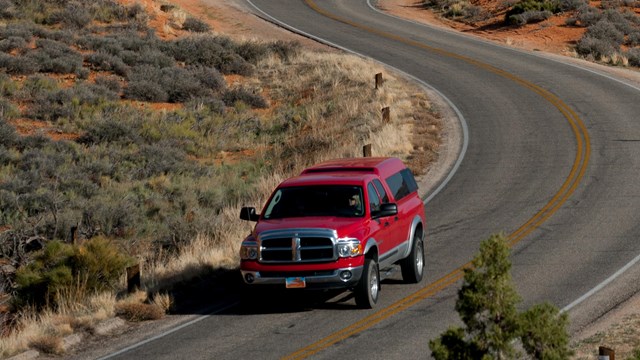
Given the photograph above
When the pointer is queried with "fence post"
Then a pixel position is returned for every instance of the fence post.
(378, 80)
(386, 115)
(366, 150)
(605, 353)
(133, 278)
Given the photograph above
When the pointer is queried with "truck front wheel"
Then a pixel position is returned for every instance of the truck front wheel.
(368, 289)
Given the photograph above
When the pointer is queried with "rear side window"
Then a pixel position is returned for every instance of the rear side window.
(383, 194)
(402, 184)
(374, 200)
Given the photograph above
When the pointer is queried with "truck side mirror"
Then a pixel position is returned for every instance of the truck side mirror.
(386, 209)
(249, 214)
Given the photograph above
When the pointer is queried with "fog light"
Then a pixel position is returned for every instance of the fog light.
(249, 278)
(345, 275)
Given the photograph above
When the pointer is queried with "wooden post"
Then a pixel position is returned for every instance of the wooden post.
(605, 353)
(386, 115)
(366, 150)
(73, 235)
(133, 278)
(378, 80)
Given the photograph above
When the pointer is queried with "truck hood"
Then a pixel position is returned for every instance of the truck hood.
(346, 227)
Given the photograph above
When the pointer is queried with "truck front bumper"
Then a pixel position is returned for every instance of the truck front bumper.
(328, 279)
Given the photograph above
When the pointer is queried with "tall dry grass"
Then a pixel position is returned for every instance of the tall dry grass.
(330, 100)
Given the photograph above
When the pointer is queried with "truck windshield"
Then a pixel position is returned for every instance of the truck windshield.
(334, 200)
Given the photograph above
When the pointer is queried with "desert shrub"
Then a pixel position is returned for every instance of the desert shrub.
(606, 31)
(195, 25)
(152, 57)
(179, 84)
(57, 57)
(103, 44)
(106, 129)
(68, 103)
(634, 56)
(588, 15)
(248, 97)
(18, 65)
(36, 85)
(634, 38)
(286, 50)
(8, 135)
(619, 21)
(144, 90)
(20, 29)
(75, 15)
(7, 9)
(611, 4)
(13, 43)
(595, 47)
(209, 77)
(210, 104)
(7, 110)
(569, 5)
(253, 51)
(530, 5)
(207, 51)
(108, 11)
(110, 82)
(106, 62)
(531, 16)
(161, 159)
(8, 87)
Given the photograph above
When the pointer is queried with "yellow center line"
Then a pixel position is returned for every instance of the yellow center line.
(583, 153)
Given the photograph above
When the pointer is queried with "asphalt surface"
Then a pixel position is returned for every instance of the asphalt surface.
(523, 155)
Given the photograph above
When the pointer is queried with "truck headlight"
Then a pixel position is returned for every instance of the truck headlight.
(249, 251)
(349, 248)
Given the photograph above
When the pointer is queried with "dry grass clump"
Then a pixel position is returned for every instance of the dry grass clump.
(138, 308)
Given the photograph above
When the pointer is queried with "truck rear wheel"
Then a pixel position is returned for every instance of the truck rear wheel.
(413, 266)
(368, 289)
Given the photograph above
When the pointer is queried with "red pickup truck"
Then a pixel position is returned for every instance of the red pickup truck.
(337, 225)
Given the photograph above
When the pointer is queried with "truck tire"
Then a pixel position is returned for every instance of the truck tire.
(368, 289)
(413, 265)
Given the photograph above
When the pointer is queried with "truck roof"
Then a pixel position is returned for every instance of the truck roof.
(381, 166)
(350, 171)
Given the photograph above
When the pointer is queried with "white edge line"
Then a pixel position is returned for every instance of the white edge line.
(171, 331)
(618, 273)
(601, 285)
(463, 122)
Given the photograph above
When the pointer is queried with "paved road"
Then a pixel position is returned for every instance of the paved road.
(552, 147)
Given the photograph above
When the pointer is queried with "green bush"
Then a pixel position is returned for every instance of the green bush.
(95, 265)
(530, 5)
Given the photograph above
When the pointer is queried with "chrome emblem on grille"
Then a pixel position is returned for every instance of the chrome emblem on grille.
(295, 246)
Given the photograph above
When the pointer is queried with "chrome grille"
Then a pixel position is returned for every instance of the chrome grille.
(297, 245)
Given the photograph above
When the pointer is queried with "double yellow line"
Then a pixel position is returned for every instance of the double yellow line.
(583, 152)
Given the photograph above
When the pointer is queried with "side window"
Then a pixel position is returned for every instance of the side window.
(374, 200)
(402, 184)
(380, 188)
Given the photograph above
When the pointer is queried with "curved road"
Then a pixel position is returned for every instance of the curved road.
(553, 160)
